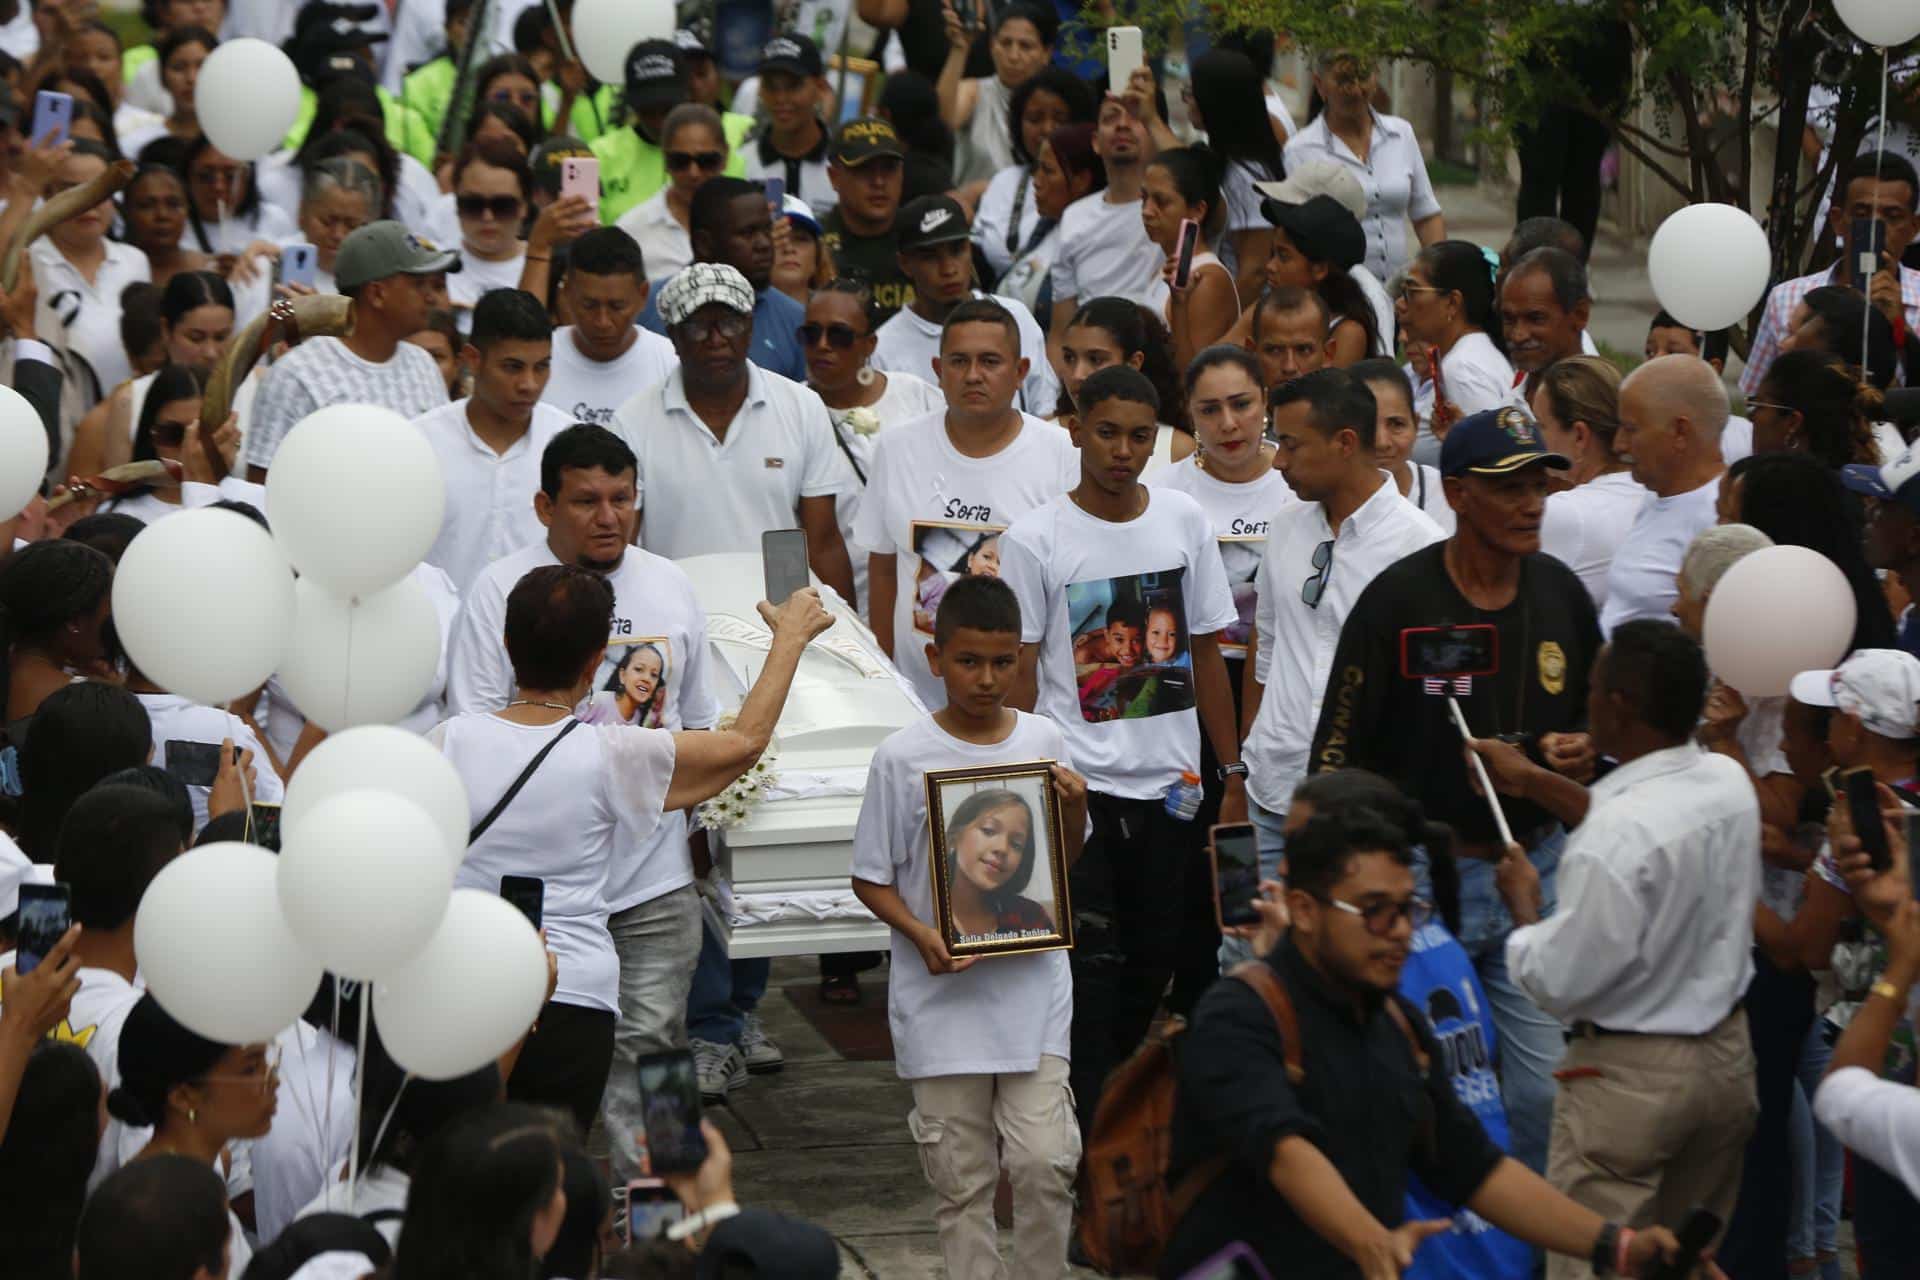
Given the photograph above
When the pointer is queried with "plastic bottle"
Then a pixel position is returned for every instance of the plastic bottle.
(1183, 797)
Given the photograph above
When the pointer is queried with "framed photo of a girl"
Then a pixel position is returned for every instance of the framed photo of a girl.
(999, 860)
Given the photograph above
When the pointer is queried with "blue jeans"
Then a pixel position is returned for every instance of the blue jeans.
(1273, 856)
(724, 991)
(1820, 1162)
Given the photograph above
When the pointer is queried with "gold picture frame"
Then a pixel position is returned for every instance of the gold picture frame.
(863, 74)
(980, 808)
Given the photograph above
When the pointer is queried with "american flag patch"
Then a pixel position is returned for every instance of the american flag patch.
(775, 464)
(1441, 686)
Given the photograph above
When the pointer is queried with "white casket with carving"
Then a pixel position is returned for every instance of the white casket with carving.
(788, 862)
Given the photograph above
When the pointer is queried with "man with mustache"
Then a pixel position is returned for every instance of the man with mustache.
(1544, 306)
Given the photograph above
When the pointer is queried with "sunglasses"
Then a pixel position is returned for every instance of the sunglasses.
(501, 207)
(839, 336)
(680, 161)
(1316, 586)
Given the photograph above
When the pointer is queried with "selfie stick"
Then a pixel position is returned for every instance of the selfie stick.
(1480, 771)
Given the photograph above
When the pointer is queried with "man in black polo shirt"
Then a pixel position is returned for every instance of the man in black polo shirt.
(1315, 1171)
(1375, 716)
(867, 166)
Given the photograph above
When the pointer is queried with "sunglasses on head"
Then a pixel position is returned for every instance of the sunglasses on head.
(838, 336)
(501, 207)
(678, 161)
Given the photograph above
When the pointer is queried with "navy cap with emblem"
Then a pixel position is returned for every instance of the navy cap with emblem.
(796, 55)
(930, 220)
(656, 75)
(1494, 442)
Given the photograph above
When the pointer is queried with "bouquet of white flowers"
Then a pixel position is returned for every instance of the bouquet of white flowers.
(742, 796)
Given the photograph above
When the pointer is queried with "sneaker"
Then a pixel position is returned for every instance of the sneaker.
(720, 1068)
(762, 1054)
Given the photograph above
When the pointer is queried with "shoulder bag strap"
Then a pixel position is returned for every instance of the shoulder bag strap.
(1405, 1027)
(1259, 975)
(500, 806)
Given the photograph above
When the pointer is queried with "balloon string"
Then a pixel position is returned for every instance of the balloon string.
(333, 1040)
(346, 675)
(380, 1133)
(359, 1092)
(246, 792)
(220, 232)
(1879, 150)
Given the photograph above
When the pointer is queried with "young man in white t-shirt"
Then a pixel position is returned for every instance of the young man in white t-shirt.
(1123, 597)
(604, 356)
(388, 272)
(943, 488)
(984, 1045)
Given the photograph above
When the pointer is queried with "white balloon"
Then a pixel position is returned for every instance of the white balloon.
(1881, 22)
(472, 991)
(23, 453)
(391, 639)
(216, 951)
(356, 496)
(364, 881)
(1709, 265)
(605, 31)
(247, 97)
(202, 601)
(383, 758)
(1776, 613)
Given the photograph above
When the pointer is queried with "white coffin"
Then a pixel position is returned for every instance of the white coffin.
(789, 862)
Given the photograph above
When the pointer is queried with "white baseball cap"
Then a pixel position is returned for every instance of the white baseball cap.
(1318, 176)
(1881, 686)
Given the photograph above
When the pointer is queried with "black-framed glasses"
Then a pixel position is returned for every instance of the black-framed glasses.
(711, 161)
(501, 207)
(730, 326)
(839, 336)
(1380, 917)
(1316, 586)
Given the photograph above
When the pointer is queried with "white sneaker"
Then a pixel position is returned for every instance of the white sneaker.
(762, 1054)
(720, 1069)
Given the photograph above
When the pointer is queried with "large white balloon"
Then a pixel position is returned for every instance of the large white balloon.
(247, 97)
(389, 759)
(1776, 613)
(23, 453)
(605, 31)
(1709, 265)
(216, 951)
(364, 880)
(356, 496)
(368, 661)
(471, 992)
(1881, 22)
(202, 601)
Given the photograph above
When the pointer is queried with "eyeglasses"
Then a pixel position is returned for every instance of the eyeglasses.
(501, 207)
(729, 326)
(1316, 586)
(264, 1080)
(1768, 404)
(677, 161)
(1381, 917)
(838, 336)
(1404, 288)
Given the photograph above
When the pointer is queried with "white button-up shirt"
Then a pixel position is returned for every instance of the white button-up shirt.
(1657, 888)
(1394, 176)
(1875, 1118)
(1786, 295)
(84, 316)
(489, 495)
(665, 245)
(1297, 641)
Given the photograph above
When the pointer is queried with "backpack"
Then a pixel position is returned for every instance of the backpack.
(1128, 1210)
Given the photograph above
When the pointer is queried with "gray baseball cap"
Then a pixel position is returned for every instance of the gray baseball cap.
(382, 249)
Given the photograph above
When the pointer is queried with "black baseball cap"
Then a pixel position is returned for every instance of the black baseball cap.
(1494, 442)
(656, 76)
(865, 138)
(1322, 228)
(795, 54)
(930, 220)
(690, 42)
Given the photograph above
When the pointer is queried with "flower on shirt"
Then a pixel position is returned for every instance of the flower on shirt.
(863, 421)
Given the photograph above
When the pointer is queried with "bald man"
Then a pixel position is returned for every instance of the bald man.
(1672, 411)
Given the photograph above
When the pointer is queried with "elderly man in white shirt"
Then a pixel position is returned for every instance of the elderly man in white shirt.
(1649, 956)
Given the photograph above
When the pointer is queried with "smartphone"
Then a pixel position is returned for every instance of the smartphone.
(265, 819)
(670, 1104)
(784, 553)
(776, 195)
(528, 894)
(1470, 649)
(1235, 851)
(1183, 260)
(1235, 1262)
(1863, 807)
(580, 176)
(1696, 1233)
(1124, 52)
(46, 913)
(194, 763)
(1910, 832)
(651, 1208)
(298, 262)
(1867, 240)
(51, 111)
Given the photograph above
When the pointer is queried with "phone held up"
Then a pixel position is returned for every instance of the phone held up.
(1695, 1233)
(1866, 243)
(580, 176)
(1863, 808)
(784, 555)
(1125, 51)
(46, 913)
(298, 265)
(651, 1209)
(195, 763)
(1235, 851)
(1183, 257)
(1470, 649)
(670, 1106)
(52, 112)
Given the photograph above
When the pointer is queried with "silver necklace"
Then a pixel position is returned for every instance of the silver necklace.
(525, 702)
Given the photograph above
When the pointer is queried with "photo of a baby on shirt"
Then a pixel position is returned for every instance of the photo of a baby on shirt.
(1130, 651)
(1242, 557)
(632, 687)
(947, 553)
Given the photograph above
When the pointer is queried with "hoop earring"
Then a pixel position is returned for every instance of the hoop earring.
(866, 375)
(193, 1116)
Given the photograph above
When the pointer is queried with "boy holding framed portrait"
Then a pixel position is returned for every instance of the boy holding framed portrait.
(971, 819)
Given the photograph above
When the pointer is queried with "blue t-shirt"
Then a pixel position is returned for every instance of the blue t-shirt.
(1439, 980)
(776, 331)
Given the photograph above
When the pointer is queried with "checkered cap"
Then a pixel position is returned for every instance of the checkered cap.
(700, 284)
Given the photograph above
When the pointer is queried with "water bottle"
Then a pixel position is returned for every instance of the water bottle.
(1183, 797)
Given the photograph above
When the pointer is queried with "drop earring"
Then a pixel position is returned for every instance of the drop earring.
(866, 375)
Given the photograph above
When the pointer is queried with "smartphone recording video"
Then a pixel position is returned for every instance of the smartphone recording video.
(46, 913)
(670, 1107)
(194, 763)
(783, 553)
(1471, 649)
(1863, 807)
(651, 1209)
(1235, 850)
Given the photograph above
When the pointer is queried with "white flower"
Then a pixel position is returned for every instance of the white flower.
(863, 421)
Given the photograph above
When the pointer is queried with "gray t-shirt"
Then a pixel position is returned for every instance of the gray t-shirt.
(321, 372)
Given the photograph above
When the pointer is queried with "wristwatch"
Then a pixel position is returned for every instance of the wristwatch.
(1604, 1248)
(1238, 769)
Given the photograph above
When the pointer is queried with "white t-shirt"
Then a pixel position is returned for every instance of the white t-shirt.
(700, 494)
(903, 399)
(1114, 607)
(940, 514)
(84, 317)
(175, 719)
(94, 1019)
(1010, 189)
(383, 1191)
(321, 372)
(597, 795)
(1003, 1014)
(267, 222)
(1104, 251)
(986, 144)
(478, 277)
(665, 245)
(910, 343)
(1242, 516)
(1243, 208)
(1585, 525)
(312, 1126)
(591, 390)
(1474, 376)
(1640, 582)
(145, 507)
(1428, 494)
(489, 495)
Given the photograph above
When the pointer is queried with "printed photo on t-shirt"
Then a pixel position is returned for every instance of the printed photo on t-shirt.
(999, 865)
(632, 685)
(1131, 655)
(949, 551)
(1242, 558)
